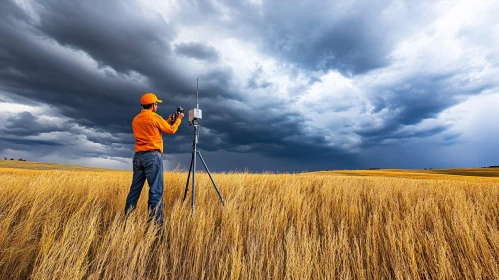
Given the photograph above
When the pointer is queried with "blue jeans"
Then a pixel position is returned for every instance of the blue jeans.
(147, 165)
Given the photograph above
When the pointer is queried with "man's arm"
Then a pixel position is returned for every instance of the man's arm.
(166, 127)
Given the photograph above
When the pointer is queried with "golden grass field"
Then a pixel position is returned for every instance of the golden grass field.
(380, 224)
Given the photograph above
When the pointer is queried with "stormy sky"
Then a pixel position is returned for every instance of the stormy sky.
(283, 85)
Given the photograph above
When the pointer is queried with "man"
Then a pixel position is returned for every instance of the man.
(147, 164)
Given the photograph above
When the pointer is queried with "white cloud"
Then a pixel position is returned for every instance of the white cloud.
(336, 107)
(476, 119)
(28, 7)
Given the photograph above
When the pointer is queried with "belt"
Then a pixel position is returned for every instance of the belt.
(150, 151)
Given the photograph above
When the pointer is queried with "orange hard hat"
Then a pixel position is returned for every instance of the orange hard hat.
(149, 98)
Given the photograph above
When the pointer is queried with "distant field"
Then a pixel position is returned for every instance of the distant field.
(405, 173)
(434, 173)
(46, 166)
(68, 223)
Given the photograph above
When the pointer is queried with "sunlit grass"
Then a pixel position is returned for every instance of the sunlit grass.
(69, 225)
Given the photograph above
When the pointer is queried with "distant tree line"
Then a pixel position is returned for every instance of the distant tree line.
(14, 159)
(430, 168)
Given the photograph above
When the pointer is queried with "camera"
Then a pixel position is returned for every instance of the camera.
(178, 111)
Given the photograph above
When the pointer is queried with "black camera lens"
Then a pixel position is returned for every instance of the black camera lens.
(178, 111)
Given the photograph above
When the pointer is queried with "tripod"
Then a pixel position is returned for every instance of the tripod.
(192, 169)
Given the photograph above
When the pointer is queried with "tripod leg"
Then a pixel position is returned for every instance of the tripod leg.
(193, 180)
(213, 181)
(188, 177)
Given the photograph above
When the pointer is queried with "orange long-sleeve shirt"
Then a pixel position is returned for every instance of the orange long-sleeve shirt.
(147, 127)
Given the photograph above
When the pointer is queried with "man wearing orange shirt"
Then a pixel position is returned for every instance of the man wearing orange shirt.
(147, 164)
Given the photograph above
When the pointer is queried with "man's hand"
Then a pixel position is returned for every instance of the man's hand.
(170, 119)
(180, 116)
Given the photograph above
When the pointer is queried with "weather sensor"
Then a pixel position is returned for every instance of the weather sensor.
(194, 114)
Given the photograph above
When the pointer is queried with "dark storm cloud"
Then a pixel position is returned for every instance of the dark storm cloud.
(415, 99)
(351, 36)
(350, 45)
(107, 101)
(254, 133)
(111, 33)
(197, 51)
(25, 124)
(122, 44)
(20, 142)
(25, 133)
